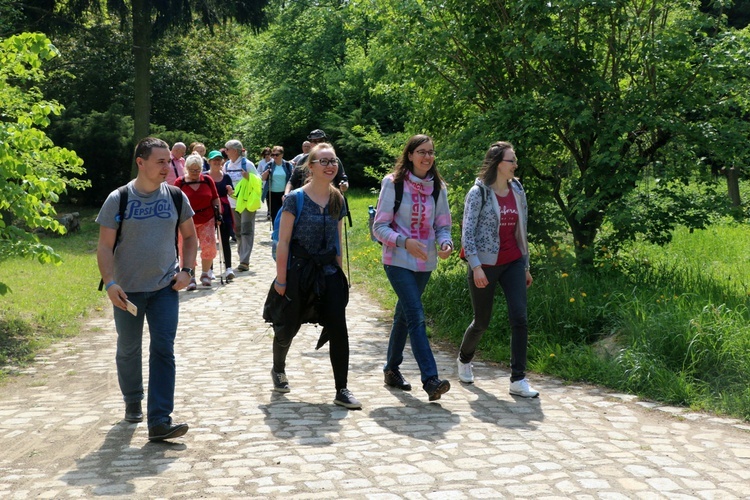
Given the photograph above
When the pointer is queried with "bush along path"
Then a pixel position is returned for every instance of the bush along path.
(62, 433)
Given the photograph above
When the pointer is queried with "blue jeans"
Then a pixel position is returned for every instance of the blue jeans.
(161, 310)
(409, 320)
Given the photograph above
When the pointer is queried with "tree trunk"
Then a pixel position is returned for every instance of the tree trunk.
(142, 27)
(733, 187)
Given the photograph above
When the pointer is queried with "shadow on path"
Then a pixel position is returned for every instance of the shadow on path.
(521, 413)
(112, 468)
(307, 423)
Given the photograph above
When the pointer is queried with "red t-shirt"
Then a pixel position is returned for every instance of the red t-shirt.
(509, 250)
(201, 195)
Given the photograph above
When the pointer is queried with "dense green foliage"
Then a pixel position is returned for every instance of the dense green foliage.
(33, 171)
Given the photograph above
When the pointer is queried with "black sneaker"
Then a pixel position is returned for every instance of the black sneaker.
(166, 431)
(280, 382)
(435, 388)
(394, 378)
(345, 398)
(133, 412)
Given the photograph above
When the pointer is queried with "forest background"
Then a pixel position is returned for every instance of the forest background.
(626, 115)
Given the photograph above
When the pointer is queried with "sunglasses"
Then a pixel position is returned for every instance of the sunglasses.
(275, 154)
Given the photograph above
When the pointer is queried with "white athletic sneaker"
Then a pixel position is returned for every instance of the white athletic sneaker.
(465, 372)
(211, 274)
(229, 276)
(523, 389)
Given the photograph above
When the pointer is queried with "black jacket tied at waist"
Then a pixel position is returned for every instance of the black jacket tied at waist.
(305, 284)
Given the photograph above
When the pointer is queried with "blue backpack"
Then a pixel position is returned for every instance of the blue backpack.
(275, 234)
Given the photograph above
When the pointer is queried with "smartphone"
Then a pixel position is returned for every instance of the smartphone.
(132, 309)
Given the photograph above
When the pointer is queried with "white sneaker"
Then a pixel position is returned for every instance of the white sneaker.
(229, 276)
(211, 274)
(523, 389)
(465, 373)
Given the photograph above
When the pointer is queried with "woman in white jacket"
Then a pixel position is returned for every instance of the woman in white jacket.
(496, 249)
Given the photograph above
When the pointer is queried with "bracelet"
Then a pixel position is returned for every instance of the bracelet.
(106, 287)
(279, 284)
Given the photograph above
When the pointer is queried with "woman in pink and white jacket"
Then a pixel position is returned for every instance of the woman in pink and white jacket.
(414, 231)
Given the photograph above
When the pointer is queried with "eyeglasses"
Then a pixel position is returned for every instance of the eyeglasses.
(514, 161)
(275, 154)
(424, 152)
(325, 161)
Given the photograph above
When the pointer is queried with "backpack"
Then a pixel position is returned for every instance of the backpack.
(275, 234)
(399, 187)
(174, 192)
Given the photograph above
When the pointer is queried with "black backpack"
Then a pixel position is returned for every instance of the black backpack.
(177, 199)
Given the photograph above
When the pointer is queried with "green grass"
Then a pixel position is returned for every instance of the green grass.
(48, 302)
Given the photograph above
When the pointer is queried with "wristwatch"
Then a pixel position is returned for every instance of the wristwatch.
(188, 270)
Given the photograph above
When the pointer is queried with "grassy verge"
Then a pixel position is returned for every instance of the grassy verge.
(48, 302)
(667, 323)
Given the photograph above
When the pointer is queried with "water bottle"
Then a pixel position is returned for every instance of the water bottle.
(371, 212)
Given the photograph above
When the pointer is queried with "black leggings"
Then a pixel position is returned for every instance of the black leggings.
(333, 309)
(225, 230)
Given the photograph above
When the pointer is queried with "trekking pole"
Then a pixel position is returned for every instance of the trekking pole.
(221, 246)
(346, 239)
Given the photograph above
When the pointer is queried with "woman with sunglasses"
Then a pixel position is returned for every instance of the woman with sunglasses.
(496, 248)
(277, 174)
(309, 280)
(414, 234)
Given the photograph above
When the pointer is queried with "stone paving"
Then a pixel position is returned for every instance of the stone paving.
(61, 433)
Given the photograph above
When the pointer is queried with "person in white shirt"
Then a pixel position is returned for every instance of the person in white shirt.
(237, 168)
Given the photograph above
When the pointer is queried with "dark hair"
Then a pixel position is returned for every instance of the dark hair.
(496, 153)
(404, 164)
(265, 151)
(335, 198)
(144, 147)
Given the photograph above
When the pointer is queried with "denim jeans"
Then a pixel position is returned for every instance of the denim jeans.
(512, 278)
(161, 310)
(245, 231)
(409, 320)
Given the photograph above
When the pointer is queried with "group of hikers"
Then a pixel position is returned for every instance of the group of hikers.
(412, 222)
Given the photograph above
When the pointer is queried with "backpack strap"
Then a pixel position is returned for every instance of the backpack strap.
(123, 190)
(399, 187)
(177, 199)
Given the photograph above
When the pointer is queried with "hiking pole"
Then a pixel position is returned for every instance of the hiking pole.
(346, 239)
(217, 216)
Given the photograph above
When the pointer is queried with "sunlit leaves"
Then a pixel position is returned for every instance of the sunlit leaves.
(33, 171)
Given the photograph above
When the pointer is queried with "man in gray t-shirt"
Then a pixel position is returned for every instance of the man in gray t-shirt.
(140, 269)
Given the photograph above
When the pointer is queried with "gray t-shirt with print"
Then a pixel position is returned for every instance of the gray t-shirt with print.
(145, 257)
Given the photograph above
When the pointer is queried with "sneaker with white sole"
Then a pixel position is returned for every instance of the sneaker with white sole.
(211, 274)
(229, 276)
(465, 372)
(345, 398)
(280, 382)
(523, 389)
